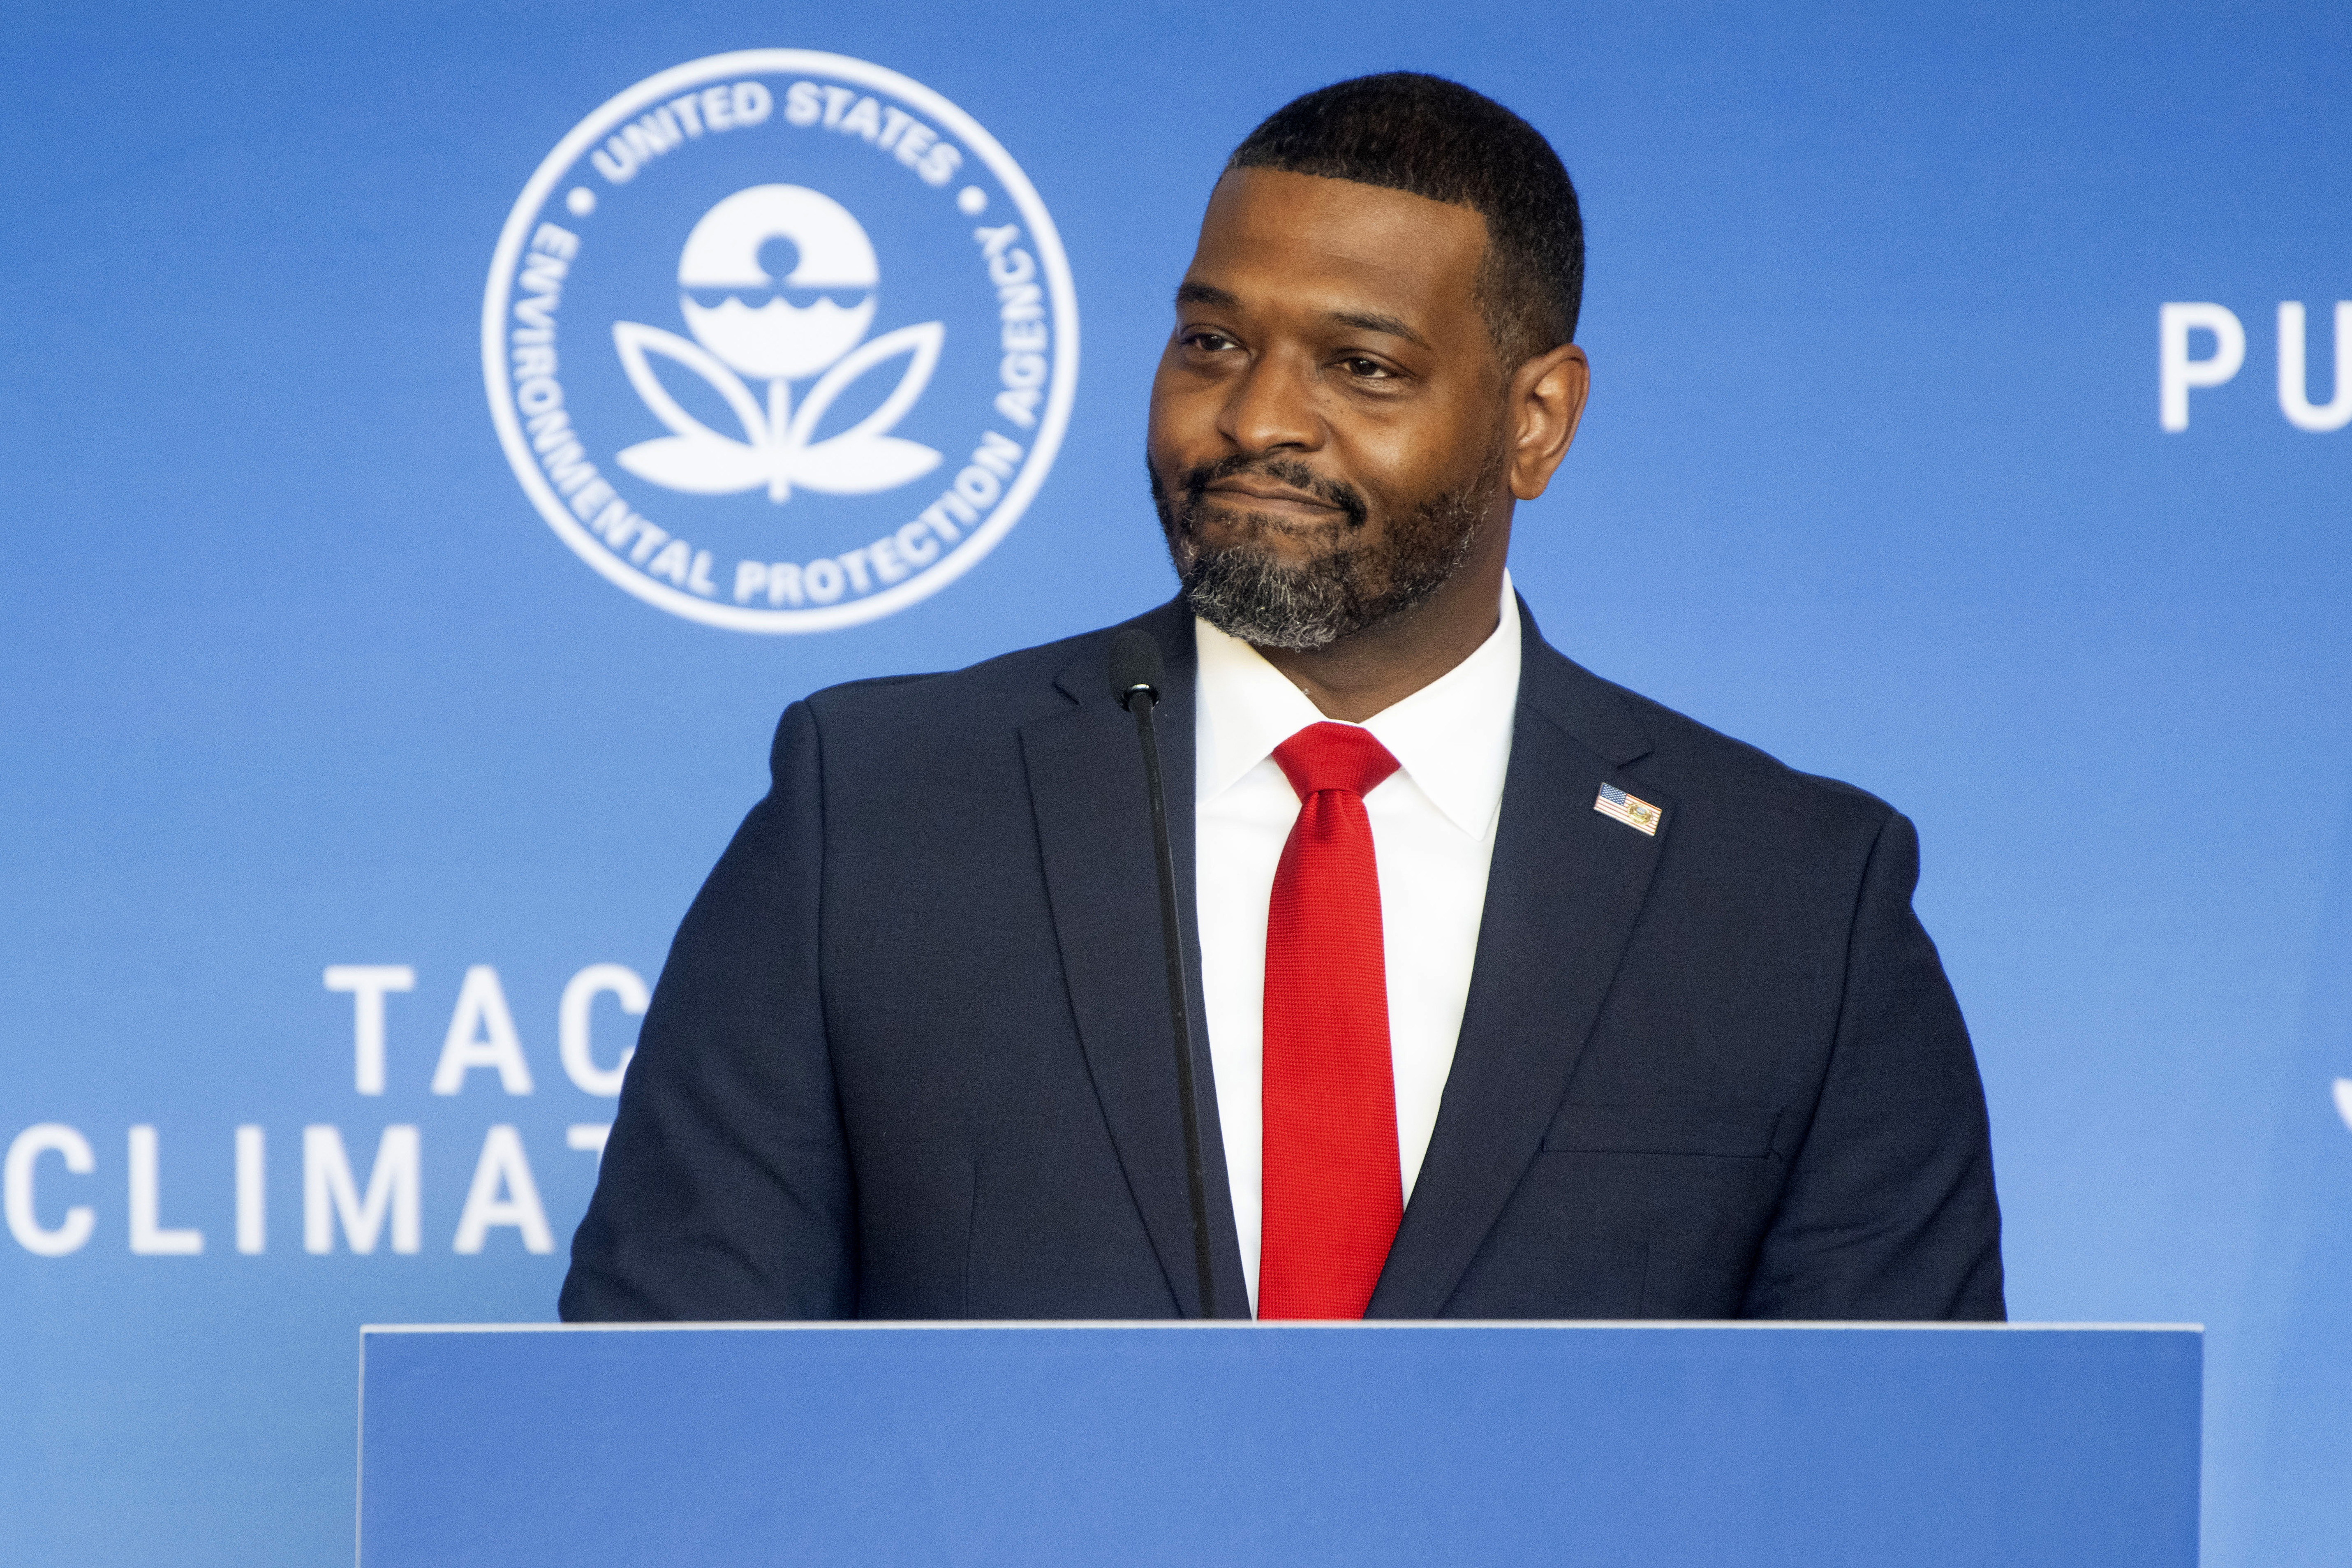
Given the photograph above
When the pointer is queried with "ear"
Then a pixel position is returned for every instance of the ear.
(1544, 404)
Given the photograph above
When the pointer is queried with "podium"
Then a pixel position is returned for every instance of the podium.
(1633, 1445)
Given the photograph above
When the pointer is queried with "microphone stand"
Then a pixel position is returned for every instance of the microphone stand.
(1136, 676)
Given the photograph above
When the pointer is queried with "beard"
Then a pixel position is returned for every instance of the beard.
(1247, 591)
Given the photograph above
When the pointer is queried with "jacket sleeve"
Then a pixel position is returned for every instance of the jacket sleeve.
(1889, 1214)
(725, 1190)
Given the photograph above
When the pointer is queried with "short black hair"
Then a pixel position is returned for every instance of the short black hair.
(1423, 135)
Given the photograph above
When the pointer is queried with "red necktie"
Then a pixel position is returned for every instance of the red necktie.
(1333, 1192)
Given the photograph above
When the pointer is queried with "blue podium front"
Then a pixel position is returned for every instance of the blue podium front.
(1362, 1445)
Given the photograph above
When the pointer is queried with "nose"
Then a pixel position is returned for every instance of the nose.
(1271, 409)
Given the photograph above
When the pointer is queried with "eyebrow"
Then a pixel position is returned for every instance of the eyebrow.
(1373, 322)
(1192, 293)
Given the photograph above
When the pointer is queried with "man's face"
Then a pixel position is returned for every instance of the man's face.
(1327, 423)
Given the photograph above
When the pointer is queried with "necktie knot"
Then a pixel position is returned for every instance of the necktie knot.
(1334, 756)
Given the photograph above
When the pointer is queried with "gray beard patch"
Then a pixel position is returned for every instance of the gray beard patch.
(1248, 591)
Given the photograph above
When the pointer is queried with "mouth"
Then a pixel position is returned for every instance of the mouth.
(1233, 499)
(1259, 495)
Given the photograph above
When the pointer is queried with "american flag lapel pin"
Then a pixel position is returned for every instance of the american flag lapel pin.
(1632, 810)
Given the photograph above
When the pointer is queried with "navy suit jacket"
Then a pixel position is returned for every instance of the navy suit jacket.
(910, 1055)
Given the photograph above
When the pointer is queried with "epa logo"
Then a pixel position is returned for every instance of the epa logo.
(780, 340)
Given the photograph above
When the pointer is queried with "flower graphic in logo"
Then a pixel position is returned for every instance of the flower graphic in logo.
(811, 268)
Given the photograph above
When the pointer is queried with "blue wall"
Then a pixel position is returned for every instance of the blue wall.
(1874, 477)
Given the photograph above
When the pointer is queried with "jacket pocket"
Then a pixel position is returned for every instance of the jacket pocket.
(1721, 1129)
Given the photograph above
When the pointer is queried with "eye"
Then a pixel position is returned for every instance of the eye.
(1208, 340)
(1366, 369)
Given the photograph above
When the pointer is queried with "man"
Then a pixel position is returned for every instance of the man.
(1525, 996)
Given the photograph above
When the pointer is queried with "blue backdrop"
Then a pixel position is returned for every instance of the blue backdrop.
(1876, 475)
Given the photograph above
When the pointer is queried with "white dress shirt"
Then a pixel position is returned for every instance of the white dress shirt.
(1432, 837)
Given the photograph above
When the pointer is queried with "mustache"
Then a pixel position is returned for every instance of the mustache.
(1193, 483)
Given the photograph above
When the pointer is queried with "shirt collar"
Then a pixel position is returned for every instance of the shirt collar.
(1452, 737)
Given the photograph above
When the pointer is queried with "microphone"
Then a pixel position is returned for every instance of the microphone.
(1136, 676)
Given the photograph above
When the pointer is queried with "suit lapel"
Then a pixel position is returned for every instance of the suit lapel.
(1564, 891)
(1094, 833)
